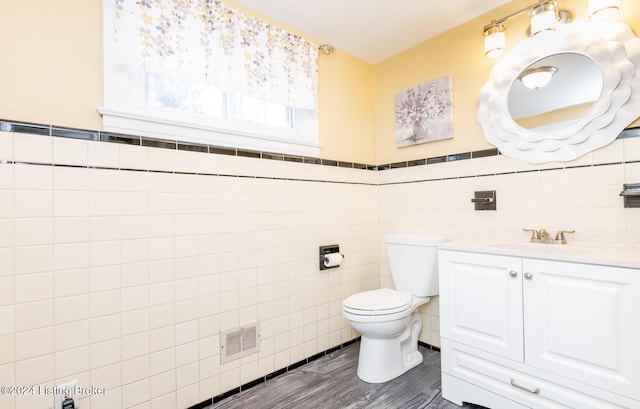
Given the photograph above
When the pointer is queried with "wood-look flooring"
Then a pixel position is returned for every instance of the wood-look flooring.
(330, 382)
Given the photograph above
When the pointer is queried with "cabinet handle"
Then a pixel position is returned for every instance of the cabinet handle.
(513, 273)
(531, 390)
(528, 276)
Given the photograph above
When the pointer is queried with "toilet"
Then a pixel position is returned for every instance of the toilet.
(388, 320)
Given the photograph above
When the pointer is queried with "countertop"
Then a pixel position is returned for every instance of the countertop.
(590, 253)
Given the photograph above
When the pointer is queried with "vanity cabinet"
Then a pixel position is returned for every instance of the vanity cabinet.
(526, 332)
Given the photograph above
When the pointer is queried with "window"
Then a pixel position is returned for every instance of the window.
(172, 93)
(181, 106)
(165, 92)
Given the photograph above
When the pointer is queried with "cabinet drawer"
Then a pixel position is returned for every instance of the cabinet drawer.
(529, 386)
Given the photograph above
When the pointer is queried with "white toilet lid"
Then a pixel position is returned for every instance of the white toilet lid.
(381, 301)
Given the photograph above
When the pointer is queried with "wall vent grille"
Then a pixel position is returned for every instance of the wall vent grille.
(238, 342)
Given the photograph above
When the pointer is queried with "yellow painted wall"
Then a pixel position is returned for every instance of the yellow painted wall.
(51, 64)
(345, 99)
(51, 73)
(460, 53)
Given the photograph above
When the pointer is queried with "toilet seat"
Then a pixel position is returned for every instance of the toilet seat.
(383, 301)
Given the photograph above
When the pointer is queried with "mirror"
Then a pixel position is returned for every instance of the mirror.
(593, 94)
(575, 84)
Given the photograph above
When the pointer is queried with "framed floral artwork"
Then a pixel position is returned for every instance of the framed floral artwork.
(424, 113)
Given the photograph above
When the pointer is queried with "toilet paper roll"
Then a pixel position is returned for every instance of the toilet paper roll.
(333, 259)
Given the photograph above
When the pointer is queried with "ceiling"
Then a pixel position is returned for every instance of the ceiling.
(372, 30)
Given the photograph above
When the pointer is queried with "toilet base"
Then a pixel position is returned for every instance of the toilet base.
(382, 360)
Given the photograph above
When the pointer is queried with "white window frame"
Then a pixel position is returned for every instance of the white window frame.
(124, 112)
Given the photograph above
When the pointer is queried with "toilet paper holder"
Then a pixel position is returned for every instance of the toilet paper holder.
(326, 250)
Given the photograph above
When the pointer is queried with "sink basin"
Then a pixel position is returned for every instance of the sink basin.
(582, 252)
(542, 248)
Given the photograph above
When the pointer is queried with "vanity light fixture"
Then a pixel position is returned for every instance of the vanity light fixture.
(536, 78)
(601, 9)
(494, 40)
(544, 15)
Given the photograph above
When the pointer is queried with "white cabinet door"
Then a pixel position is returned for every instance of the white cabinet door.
(583, 322)
(481, 301)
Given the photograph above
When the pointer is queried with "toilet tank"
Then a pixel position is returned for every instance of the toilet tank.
(414, 263)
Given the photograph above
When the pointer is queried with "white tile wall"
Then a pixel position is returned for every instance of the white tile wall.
(124, 279)
(582, 198)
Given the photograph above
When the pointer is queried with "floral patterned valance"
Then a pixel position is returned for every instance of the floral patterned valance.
(208, 41)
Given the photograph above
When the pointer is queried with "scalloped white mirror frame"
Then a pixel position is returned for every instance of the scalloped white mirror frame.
(615, 50)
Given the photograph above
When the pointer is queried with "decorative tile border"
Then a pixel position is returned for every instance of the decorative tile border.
(51, 130)
(249, 385)
(270, 376)
(630, 133)
(111, 137)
